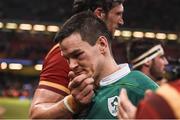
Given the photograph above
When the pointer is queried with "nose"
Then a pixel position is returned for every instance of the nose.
(121, 21)
(166, 61)
(73, 63)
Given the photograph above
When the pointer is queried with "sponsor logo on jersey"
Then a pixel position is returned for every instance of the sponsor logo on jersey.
(113, 105)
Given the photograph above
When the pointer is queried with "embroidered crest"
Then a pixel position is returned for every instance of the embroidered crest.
(113, 105)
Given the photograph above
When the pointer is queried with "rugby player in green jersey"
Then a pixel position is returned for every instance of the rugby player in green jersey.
(85, 43)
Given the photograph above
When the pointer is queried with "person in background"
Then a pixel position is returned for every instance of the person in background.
(85, 42)
(48, 100)
(147, 55)
(110, 11)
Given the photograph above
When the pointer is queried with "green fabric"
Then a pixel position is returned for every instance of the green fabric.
(135, 83)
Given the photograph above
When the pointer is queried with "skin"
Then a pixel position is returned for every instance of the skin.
(81, 56)
(155, 68)
(87, 62)
(84, 92)
(114, 18)
(42, 107)
(126, 109)
(158, 65)
(82, 86)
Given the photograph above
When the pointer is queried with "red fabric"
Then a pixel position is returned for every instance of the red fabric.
(55, 70)
(53, 89)
(176, 84)
(155, 106)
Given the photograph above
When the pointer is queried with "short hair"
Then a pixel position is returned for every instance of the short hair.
(83, 5)
(140, 49)
(87, 25)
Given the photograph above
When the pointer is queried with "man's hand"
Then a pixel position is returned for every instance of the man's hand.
(81, 87)
(126, 109)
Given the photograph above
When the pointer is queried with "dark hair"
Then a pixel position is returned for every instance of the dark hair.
(83, 5)
(87, 25)
(137, 47)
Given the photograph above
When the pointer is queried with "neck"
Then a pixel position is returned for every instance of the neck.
(109, 67)
(146, 71)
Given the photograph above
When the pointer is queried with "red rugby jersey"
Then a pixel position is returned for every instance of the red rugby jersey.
(54, 74)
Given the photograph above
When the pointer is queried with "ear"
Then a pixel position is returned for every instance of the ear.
(102, 44)
(148, 63)
(99, 12)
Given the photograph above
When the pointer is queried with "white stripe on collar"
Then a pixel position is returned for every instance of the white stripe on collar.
(123, 71)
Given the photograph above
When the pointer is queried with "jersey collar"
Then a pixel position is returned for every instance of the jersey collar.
(116, 75)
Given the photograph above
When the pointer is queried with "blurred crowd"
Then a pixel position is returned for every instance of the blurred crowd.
(136, 12)
(24, 45)
(17, 86)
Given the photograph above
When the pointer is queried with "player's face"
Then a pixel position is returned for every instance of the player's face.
(114, 18)
(83, 58)
(158, 66)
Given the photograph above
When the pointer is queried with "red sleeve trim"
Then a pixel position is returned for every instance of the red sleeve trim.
(53, 89)
(55, 86)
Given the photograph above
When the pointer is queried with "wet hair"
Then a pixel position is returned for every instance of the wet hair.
(138, 47)
(87, 25)
(84, 5)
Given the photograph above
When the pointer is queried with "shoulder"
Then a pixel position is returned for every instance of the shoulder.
(54, 59)
(54, 74)
(141, 77)
(139, 74)
(141, 82)
(54, 53)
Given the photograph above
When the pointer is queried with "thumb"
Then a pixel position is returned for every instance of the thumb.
(71, 75)
(124, 100)
(123, 94)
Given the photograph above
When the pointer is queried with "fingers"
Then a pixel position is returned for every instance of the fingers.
(81, 92)
(71, 75)
(76, 81)
(124, 100)
(126, 108)
(88, 98)
(122, 113)
(123, 95)
(122, 110)
(85, 95)
(82, 88)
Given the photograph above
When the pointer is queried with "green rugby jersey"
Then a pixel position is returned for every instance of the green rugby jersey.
(105, 101)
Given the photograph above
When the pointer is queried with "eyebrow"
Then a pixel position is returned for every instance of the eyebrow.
(72, 53)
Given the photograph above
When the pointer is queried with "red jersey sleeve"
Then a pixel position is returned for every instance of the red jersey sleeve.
(54, 74)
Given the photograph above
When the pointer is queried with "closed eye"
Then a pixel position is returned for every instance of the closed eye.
(78, 55)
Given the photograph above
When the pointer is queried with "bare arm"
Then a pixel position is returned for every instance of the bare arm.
(48, 104)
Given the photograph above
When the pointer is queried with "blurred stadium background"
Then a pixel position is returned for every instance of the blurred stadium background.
(27, 28)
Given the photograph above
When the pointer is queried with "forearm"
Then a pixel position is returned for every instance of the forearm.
(50, 111)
